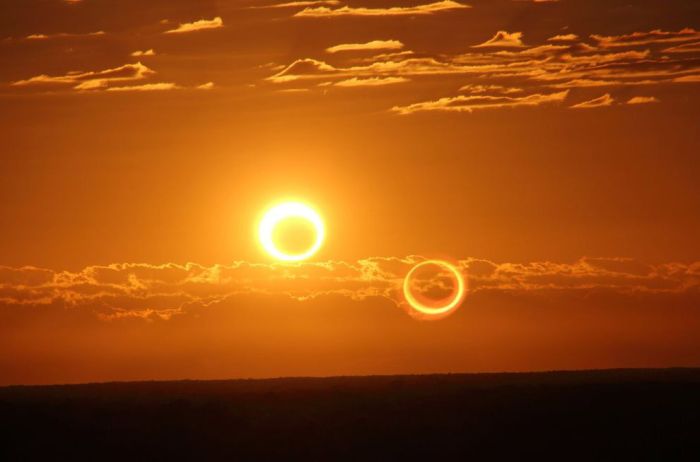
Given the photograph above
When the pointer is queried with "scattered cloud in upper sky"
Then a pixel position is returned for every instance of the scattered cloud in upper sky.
(463, 103)
(428, 8)
(202, 24)
(373, 45)
(64, 35)
(602, 101)
(300, 3)
(646, 38)
(563, 38)
(161, 86)
(370, 81)
(140, 53)
(504, 39)
(643, 100)
(693, 47)
(503, 65)
(91, 79)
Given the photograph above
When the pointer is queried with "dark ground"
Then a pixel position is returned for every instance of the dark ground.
(594, 415)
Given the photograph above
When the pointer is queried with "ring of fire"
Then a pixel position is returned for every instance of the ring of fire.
(285, 211)
(433, 312)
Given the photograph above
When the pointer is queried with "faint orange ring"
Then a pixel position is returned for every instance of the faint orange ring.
(427, 310)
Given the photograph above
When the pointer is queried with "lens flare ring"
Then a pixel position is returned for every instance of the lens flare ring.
(421, 310)
(285, 211)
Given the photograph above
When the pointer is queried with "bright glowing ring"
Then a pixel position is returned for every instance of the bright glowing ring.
(429, 311)
(282, 212)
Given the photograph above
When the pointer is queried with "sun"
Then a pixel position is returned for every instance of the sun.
(421, 309)
(285, 211)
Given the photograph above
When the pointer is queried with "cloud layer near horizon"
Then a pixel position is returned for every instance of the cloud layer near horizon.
(130, 290)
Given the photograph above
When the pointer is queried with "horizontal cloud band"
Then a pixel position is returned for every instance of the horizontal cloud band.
(143, 290)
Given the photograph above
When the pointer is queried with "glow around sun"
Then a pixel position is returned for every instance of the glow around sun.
(284, 211)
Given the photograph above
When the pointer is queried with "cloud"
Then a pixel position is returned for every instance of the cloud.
(693, 47)
(687, 79)
(602, 101)
(563, 38)
(139, 53)
(478, 89)
(503, 39)
(370, 81)
(64, 35)
(505, 62)
(206, 86)
(429, 8)
(589, 83)
(643, 100)
(463, 103)
(133, 290)
(373, 45)
(92, 79)
(300, 3)
(161, 86)
(302, 68)
(646, 38)
(202, 24)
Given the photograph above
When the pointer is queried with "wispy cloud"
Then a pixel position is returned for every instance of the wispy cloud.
(140, 53)
(503, 39)
(202, 24)
(91, 79)
(64, 35)
(505, 65)
(646, 38)
(373, 45)
(602, 101)
(161, 86)
(370, 81)
(563, 38)
(300, 3)
(131, 290)
(643, 100)
(693, 47)
(463, 103)
(429, 8)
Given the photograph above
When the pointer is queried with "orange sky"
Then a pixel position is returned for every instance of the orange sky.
(548, 147)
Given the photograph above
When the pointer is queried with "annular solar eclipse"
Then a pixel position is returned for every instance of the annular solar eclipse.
(419, 306)
(425, 309)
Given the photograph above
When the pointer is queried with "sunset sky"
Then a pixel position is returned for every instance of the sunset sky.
(549, 148)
